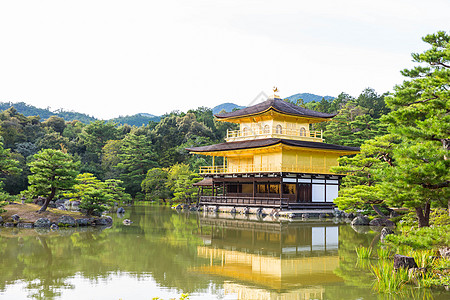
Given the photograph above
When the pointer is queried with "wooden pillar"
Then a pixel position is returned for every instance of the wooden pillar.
(281, 189)
(254, 188)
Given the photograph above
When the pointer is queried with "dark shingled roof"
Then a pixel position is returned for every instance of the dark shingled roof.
(204, 182)
(269, 142)
(277, 105)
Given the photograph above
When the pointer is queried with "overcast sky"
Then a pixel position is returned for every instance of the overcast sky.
(108, 57)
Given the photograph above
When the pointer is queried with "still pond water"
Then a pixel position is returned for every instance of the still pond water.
(166, 253)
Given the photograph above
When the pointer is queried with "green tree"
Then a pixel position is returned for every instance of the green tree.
(51, 171)
(97, 196)
(373, 102)
(137, 156)
(110, 159)
(180, 181)
(421, 115)
(8, 165)
(360, 189)
(56, 123)
(154, 185)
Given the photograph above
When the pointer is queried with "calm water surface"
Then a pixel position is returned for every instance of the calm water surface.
(165, 253)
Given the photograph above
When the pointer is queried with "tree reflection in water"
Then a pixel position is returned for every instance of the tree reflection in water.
(188, 253)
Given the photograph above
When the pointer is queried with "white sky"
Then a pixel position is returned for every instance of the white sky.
(120, 57)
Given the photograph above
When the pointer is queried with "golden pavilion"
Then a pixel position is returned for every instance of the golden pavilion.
(274, 159)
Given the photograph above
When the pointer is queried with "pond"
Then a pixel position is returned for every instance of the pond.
(165, 253)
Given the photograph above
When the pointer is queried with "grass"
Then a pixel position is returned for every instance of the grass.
(363, 252)
(389, 280)
(28, 213)
(384, 253)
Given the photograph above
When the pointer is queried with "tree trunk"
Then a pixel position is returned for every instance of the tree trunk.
(376, 208)
(423, 215)
(47, 201)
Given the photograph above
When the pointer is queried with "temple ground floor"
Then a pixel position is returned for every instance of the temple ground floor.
(281, 191)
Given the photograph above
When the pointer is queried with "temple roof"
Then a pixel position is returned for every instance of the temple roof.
(278, 105)
(270, 142)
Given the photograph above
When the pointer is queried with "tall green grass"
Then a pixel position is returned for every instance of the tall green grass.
(389, 280)
(363, 252)
(384, 253)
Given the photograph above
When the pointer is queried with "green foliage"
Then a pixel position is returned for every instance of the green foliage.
(136, 157)
(422, 238)
(51, 171)
(410, 167)
(439, 217)
(97, 196)
(30, 110)
(389, 280)
(359, 188)
(8, 165)
(180, 181)
(155, 184)
(420, 114)
(384, 253)
(136, 120)
(363, 252)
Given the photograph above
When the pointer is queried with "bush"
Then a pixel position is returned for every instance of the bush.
(422, 238)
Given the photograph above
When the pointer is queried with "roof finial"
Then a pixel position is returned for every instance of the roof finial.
(275, 90)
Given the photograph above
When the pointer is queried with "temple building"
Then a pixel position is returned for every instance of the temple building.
(274, 159)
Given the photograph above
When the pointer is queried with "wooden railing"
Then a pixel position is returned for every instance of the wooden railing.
(244, 201)
(264, 169)
(235, 135)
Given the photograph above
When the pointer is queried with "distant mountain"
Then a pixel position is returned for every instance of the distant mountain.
(30, 110)
(228, 107)
(307, 97)
(136, 120)
(147, 115)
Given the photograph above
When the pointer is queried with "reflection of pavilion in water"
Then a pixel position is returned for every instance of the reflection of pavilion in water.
(271, 260)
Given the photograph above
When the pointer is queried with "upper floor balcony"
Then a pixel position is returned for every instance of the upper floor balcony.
(269, 168)
(275, 132)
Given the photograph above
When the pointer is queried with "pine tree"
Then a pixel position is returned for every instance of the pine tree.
(51, 171)
(421, 115)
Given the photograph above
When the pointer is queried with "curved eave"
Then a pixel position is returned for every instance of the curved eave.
(234, 119)
(268, 145)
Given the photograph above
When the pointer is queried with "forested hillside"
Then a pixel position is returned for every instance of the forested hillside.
(307, 97)
(404, 136)
(30, 110)
(110, 150)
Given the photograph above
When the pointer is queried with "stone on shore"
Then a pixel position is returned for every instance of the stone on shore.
(66, 221)
(105, 221)
(361, 221)
(381, 222)
(42, 223)
(402, 261)
(385, 232)
(82, 222)
(15, 218)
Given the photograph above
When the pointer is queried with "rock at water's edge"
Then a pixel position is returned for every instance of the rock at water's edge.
(361, 221)
(67, 221)
(381, 222)
(402, 261)
(104, 221)
(385, 232)
(42, 223)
